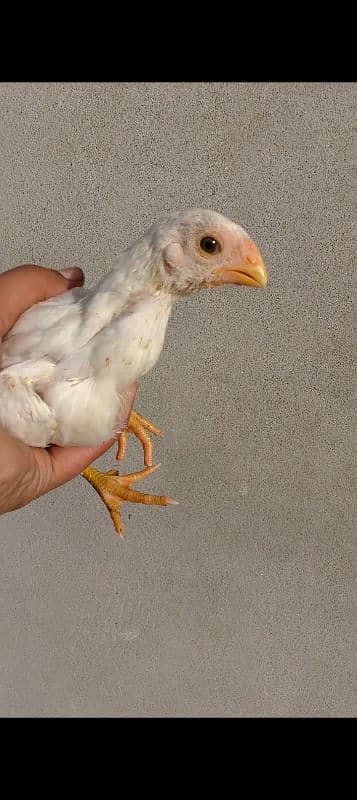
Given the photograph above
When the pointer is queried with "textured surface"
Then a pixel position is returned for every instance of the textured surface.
(240, 601)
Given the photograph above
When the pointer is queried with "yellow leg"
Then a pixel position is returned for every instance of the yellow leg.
(114, 489)
(139, 426)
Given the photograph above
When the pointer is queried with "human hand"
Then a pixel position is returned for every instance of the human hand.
(28, 472)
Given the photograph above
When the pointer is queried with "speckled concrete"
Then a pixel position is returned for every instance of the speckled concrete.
(239, 602)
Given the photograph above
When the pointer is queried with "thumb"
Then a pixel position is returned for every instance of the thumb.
(67, 462)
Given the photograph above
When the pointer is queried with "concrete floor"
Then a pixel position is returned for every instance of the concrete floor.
(239, 601)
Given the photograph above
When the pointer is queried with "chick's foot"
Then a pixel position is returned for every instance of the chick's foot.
(115, 489)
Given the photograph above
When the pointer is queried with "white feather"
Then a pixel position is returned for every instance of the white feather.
(68, 362)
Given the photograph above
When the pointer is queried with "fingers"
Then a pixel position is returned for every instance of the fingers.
(24, 286)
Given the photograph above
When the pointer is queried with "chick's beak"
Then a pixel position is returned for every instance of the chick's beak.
(249, 269)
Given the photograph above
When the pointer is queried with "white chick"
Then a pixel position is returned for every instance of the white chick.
(68, 362)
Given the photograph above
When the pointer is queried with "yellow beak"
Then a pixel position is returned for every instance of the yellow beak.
(251, 276)
(249, 271)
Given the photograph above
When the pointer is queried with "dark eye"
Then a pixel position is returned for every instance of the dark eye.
(210, 245)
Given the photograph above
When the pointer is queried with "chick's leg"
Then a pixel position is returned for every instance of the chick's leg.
(114, 489)
(140, 427)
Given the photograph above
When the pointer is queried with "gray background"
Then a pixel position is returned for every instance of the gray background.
(238, 602)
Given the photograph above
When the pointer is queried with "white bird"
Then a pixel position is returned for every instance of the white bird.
(68, 362)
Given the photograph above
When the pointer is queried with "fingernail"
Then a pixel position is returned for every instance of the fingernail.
(73, 274)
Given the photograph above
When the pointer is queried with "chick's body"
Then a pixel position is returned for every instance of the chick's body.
(69, 362)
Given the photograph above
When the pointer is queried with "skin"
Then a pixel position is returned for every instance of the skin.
(29, 472)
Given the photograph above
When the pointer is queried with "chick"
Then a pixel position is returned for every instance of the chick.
(69, 362)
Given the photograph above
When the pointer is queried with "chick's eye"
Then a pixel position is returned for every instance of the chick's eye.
(210, 245)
